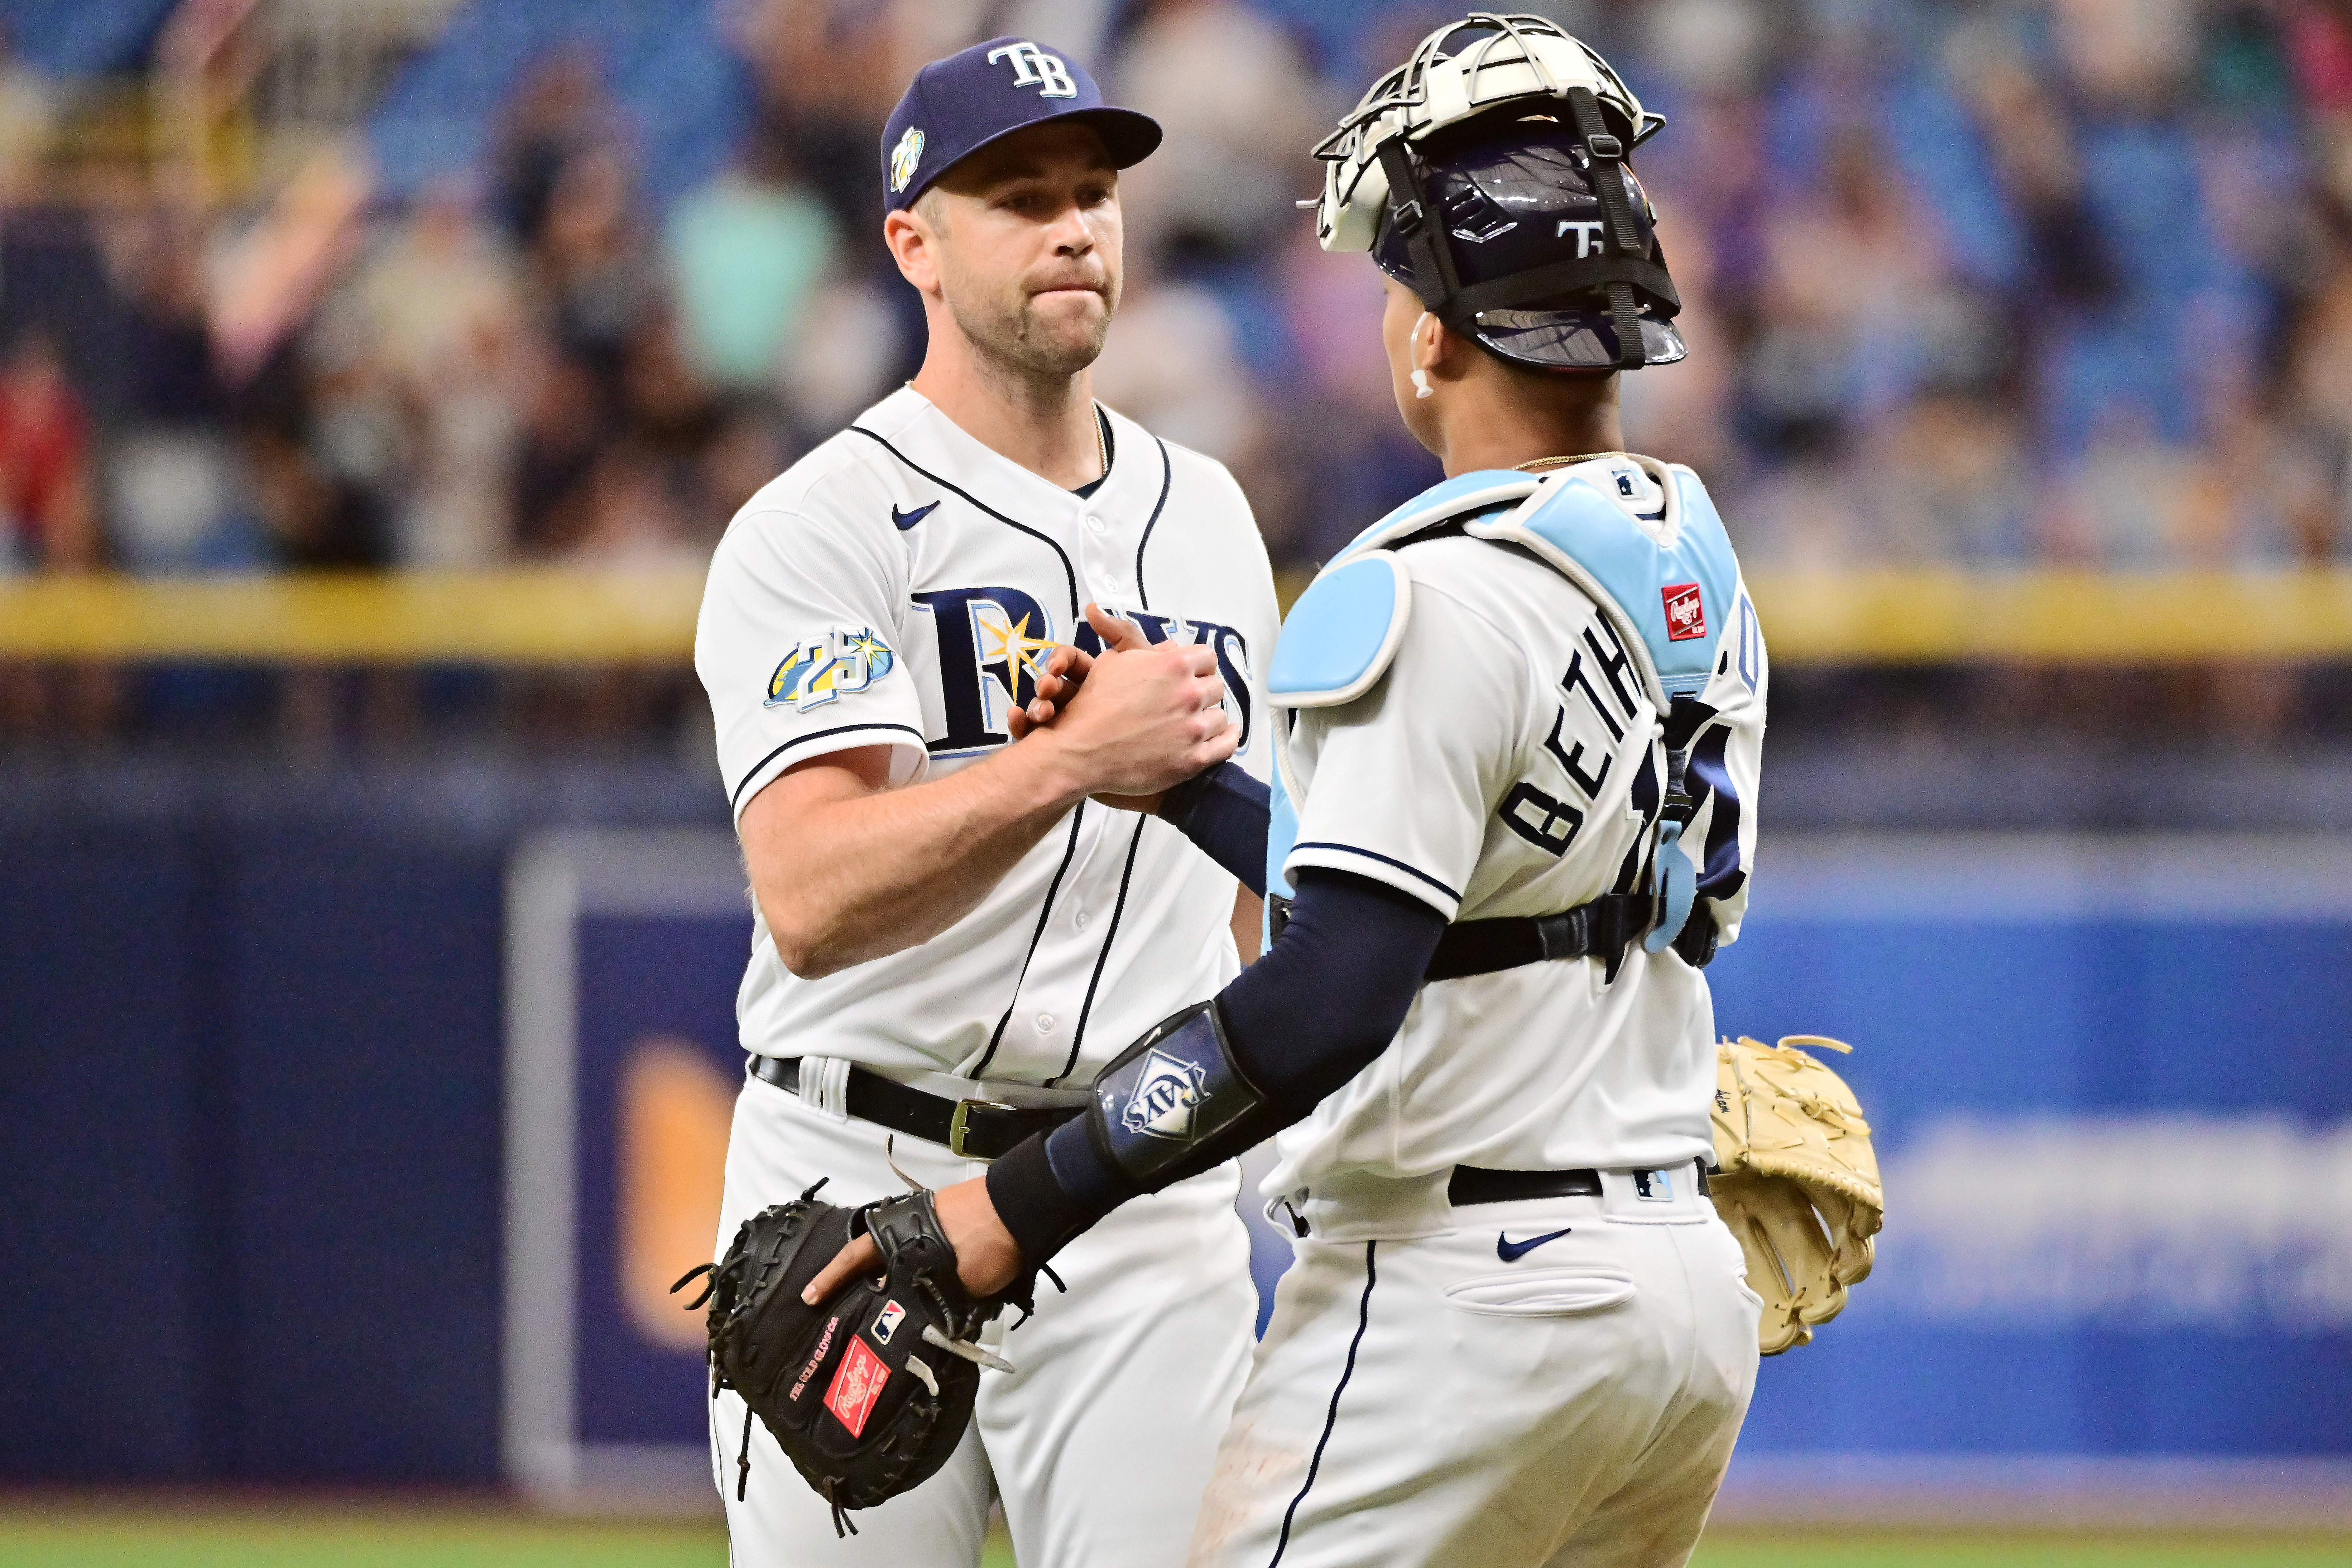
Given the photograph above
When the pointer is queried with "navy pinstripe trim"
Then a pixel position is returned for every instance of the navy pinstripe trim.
(1331, 1416)
(804, 740)
(1068, 571)
(1167, 478)
(996, 1036)
(1408, 871)
(1085, 1010)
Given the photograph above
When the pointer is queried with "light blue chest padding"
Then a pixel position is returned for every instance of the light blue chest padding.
(1481, 490)
(1667, 595)
(1669, 601)
(1339, 638)
(1678, 884)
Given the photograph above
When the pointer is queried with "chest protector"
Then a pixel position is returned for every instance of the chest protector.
(1666, 588)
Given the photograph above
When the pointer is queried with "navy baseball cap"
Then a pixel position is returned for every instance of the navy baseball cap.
(960, 104)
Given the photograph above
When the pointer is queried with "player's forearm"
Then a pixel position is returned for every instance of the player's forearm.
(1225, 812)
(1318, 1009)
(848, 869)
(874, 874)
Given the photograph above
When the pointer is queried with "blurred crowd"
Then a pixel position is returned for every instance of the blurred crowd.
(1977, 282)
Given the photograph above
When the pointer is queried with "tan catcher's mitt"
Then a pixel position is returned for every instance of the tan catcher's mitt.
(1799, 1184)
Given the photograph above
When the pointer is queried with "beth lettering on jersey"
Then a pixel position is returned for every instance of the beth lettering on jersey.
(1546, 820)
(993, 644)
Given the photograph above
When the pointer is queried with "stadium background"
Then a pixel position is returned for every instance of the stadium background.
(375, 375)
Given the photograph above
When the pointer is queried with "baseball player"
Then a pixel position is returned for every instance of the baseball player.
(1513, 819)
(950, 937)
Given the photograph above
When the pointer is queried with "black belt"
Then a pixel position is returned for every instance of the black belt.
(1475, 1184)
(1601, 929)
(973, 1129)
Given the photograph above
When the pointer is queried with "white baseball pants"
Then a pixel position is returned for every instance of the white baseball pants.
(1471, 1400)
(1100, 1445)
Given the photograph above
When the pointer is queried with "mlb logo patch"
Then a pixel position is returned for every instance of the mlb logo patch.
(1653, 1186)
(856, 1386)
(1685, 616)
(888, 1323)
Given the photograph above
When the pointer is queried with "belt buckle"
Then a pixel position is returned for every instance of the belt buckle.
(959, 1123)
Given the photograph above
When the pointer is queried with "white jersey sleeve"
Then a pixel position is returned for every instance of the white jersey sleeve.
(800, 649)
(1432, 754)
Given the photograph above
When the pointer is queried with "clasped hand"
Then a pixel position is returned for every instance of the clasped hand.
(1154, 715)
(1141, 718)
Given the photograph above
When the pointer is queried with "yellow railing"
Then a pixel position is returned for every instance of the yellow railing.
(549, 616)
(500, 617)
(2054, 617)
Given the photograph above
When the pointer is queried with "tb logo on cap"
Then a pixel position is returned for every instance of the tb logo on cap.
(1033, 67)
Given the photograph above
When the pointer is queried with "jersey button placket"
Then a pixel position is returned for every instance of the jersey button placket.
(1105, 579)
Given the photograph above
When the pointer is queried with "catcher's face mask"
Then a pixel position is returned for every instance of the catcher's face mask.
(1488, 175)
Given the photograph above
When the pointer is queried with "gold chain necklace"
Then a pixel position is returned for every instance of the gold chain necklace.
(1539, 464)
(1102, 447)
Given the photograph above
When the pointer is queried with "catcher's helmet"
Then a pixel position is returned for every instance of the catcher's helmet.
(1487, 173)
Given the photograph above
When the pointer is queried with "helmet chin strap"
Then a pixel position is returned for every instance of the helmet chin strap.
(1434, 278)
(1609, 182)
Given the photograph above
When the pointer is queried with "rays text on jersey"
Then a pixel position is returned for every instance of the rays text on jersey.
(993, 644)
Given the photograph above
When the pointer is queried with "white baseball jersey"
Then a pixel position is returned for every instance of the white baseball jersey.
(901, 585)
(1508, 763)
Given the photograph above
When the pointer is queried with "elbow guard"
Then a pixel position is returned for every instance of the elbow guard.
(1176, 1102)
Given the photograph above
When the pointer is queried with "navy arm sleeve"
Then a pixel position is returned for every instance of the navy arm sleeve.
(1327, 998)
(1223, 811)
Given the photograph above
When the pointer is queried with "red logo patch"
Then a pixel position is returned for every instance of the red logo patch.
(856, 1386)
(1685, 616)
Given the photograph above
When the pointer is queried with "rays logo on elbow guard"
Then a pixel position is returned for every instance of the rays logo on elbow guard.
(1164, 1101)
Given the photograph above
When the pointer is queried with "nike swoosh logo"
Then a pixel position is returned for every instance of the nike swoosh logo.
(1511, 1251)
(907, 520)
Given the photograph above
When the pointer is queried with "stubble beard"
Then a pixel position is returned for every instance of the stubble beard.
(1013, 339)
